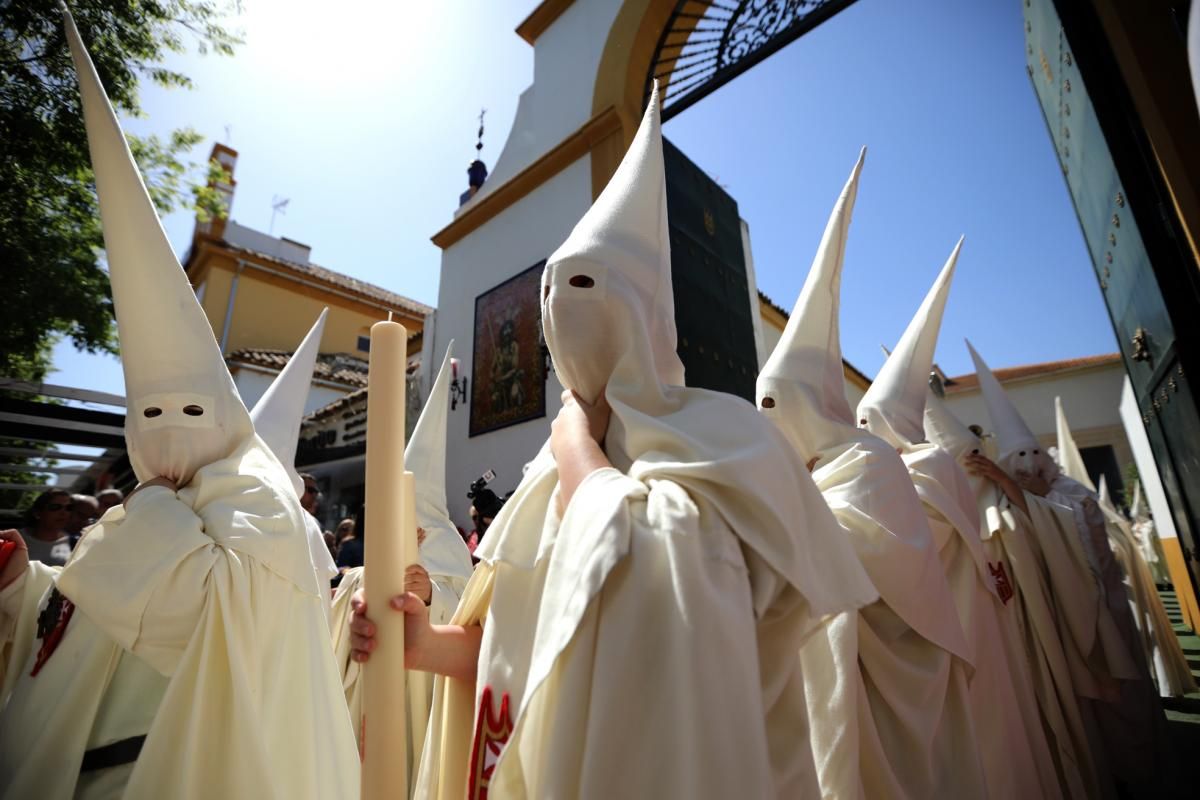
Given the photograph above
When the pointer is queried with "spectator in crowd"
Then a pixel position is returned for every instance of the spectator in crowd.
(349, 545)
(484, 508)
(331, 544)
(109, 498)
(84, 511)
(310, 501)
(344, 530)
(45, 532)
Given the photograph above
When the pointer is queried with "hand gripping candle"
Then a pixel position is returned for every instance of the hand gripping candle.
(391, 546)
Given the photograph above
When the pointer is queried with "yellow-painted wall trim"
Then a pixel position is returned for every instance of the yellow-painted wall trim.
(541, 18)
(621, 77)
(570, 150)
(771, 314)
(284, 276)
(1177, 569)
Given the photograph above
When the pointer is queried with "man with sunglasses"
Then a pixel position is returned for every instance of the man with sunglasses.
(45, 532)
(310, 501)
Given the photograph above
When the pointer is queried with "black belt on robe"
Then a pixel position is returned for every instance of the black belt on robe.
(125, 751)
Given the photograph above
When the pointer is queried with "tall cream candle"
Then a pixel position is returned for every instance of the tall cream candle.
(391, 545)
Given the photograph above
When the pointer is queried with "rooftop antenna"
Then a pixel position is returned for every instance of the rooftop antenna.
(278, 206)
(228, 134)
(479, 139)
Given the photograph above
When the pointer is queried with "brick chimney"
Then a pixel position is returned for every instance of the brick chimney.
(227, 157)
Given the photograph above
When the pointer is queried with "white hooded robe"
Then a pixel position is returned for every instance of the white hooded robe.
(886, 686)
(667, 603)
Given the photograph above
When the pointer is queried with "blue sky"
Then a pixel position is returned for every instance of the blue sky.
(366, 119)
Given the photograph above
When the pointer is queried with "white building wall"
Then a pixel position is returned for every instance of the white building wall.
(566, 59)
(509, 243)
(1152, 487)
(1091, 399)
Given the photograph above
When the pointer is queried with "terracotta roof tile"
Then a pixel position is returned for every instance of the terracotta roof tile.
(966, 383)
(763, 297)
(341, 403)
(335, 367)
(342, 281)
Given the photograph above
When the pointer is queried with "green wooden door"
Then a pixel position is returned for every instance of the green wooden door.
(1113, 217)
(708, 270)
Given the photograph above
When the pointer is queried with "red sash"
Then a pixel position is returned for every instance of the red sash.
(52, 624)
(491, 734)
(1000, 576)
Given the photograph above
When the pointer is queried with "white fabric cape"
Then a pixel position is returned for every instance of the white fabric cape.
(1132, 725)
(1054, 611)
(88, 694)
(1012, 744)
(644, 562)
(1169, 667)
(705, 537)
(905, 729)
(213, 588)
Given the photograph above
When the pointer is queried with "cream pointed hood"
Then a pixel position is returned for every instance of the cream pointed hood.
(443, 552)
(893, 407)
(278, 413)
(1069, 458)
(802, 387)
(608, 318)
(947, 431)
(608, 311)
(183, 410)
(1017, 449)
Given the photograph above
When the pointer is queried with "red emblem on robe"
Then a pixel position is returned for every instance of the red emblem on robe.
(1000, 576)
(52, 624)
(491, 734)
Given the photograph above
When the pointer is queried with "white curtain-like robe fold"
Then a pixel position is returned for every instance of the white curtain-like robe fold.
(1132, 725)
(1012, 743)
(887, 687)
(214, 589)
(640, 629)
(1044, 616)
(1160, 646)
(89, 693)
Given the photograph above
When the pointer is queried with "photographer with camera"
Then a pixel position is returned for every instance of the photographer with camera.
(485, 505)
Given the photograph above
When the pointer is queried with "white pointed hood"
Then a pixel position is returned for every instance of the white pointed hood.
(443, 552)
(1017, 449)
(893, 407)
(947, 431)
(183, 410)
(608, 311)
(1136, 512)
(425, 453)
(1069, 458)
(278, 413)
(802, 387)
(1111, 512)
(277, 416)
(608, 318)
